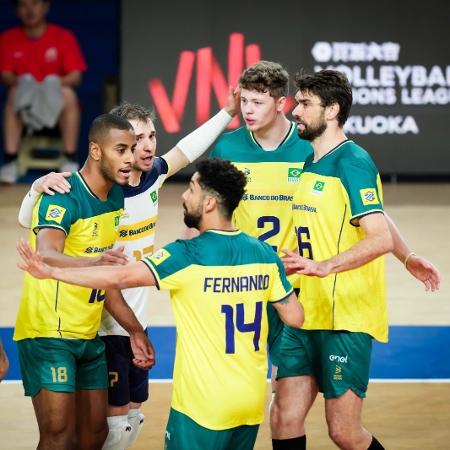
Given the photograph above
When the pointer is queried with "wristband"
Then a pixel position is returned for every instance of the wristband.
(196, 143)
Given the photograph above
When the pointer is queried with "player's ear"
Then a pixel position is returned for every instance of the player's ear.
(95, 151)
(332, 111)
(281, 103)
(210, 203)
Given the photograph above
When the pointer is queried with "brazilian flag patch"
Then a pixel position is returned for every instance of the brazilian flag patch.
(160, 256)
(55, 213)
(369, 196)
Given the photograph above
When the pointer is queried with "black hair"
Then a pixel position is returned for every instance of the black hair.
(104, 123)
(331, 86)
(224, 180)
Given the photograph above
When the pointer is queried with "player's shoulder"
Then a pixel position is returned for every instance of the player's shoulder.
(150, 180)
(355, 156)
(227, 144)
(174, 257)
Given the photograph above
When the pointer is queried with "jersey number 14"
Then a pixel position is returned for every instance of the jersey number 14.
(235, 320)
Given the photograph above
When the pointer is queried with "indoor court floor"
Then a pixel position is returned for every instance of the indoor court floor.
(408, 403)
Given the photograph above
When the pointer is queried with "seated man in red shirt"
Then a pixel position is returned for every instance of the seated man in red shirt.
(39, 49)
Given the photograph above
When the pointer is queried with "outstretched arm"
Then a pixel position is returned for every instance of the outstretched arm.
(97, 277)
(196, 143)
(377, 241)
(49, 184)
(416, 265)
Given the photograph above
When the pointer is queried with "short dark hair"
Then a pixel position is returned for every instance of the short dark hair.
(331, 86)
(132, 111)
(104, 123)
(266, 76)
(223, 180)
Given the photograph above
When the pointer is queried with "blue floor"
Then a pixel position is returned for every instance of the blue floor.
(419, 352)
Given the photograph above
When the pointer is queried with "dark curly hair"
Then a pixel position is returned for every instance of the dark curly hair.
(331, 86)
(266, 76)
(223, 180)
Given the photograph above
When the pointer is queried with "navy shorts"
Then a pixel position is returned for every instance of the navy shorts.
(127, 383)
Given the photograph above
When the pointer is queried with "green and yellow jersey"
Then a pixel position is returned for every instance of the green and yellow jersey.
(220, 283)
(50, 308)
(265, 212)
(334, 193)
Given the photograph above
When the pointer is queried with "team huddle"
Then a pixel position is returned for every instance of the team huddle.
(285, 257)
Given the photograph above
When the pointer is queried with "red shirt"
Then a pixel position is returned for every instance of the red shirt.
(56, 52)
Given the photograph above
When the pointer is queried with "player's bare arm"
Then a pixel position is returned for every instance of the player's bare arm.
(97, 277)
(50, 244)
(143, 351)
(417, 266)
(290, 311)
(197, 142)
(377, 242)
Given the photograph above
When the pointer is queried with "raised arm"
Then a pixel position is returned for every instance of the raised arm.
(377, 242)
(196, 143)
(97, 277)
(416, 265)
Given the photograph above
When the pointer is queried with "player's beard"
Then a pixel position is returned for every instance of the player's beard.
(192, 219)
(314, 130)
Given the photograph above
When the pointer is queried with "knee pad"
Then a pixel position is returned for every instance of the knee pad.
(136, 420)
(119, 433)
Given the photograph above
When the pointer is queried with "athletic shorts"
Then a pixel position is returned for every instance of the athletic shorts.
(127, 383)
(338, 360)
(274, 336)
(182, 433)
(62, 365)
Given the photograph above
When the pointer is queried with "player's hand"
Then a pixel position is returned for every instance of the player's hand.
(51, 183)
(424, 271)
(294, 263)
(112, 257)
(233, 105)
(32, 262)
(4, 363)
(143, 351)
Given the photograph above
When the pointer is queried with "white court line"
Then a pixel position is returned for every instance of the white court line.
(372, 380)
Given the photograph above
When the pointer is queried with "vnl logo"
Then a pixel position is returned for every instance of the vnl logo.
(209, 78)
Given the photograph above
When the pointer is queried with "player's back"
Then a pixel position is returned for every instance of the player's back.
(220, 284)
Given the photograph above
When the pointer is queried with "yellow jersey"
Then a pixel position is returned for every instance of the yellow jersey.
(50, 308)
(220, 283)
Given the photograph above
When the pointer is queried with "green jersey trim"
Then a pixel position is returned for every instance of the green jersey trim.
(353, 219)
(85, 185)
(45, 225)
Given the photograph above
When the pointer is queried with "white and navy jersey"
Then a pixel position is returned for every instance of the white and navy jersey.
(137, 233)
